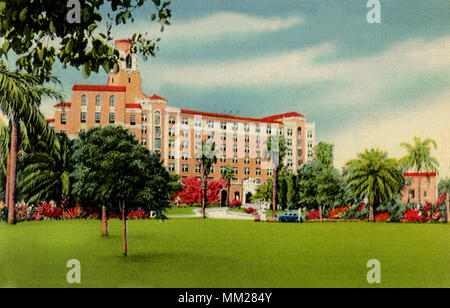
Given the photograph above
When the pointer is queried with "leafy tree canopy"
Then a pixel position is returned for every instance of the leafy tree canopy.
(39, 32)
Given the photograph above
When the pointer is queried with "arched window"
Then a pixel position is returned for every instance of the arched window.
(157, 118)
(112, 101)
(84, 100)
(98, 100)
(129, 62)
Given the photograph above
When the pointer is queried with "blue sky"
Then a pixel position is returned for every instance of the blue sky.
(365, 85)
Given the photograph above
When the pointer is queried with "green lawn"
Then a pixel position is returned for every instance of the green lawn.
(175, 210)
(193, 252)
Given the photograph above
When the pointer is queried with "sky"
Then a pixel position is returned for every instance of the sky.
(364, 85)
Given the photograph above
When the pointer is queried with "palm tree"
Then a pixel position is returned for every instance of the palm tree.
(419, 158)
(374, 176)
(207, 158)
(46, 174)
(444, 188)
(20, 98)
(227, 175)
(323, 154)
(275, 151)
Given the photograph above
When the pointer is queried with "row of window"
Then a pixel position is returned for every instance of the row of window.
(98, 100)
(247, 171)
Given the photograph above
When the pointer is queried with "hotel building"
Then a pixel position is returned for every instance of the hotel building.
(176, 134)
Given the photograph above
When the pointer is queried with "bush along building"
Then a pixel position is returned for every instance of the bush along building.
(176, 134)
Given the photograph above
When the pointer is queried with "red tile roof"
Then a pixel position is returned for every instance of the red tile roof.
(79, 87)
(227, 116)
(63, 105)
(124, 41)
(284, 115)
(50, 120)
(157, 97)
(430, 174)
(133, 106)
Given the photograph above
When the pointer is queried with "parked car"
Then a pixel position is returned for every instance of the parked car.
(290, 216)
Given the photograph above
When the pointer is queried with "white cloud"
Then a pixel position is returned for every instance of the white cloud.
(387, 131)
(362, 78)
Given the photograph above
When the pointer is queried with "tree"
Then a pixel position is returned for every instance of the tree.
(264, 192)
(45, 176)
(28, 26)
(323, 154)
(207, 158)
(20, 98)
(374, 176)
(419, 158)
(444, 189)
(114, 170)
(227, 175)
(275, 151)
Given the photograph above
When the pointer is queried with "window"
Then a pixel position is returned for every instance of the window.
(84, 100)
(63, 118)
(171, 120)
(289, 142)
(185, 168)
(184, 156)
(98, 116)
(310, 134)
(310, 154)
(133, 133)
(310, 144)
(83, 117)
(185, 133)
(258, 171)
(157, 118)
(247, 149)
(198, 134)
(258, 128)
(258, 139)
(235, 126)
(247, 138)
(269, 172)
(158, 143)
(235, 170)
(223, 125)
(290, 163)
(157, 131)
(258, 160)
(246, 171)
(223, 169)
(198, 123)
(269, 130)
(289, 132)
(235, 137)
(171, 167)
(289, 152)
(211, 135)
(171, 132)
(411, 193)
(424, 193)
(171, 155)
(247, 160)
(112, 101)
(185, 121)
(223, 136)
(98, 100)
(300, 153)
(258, 150)
(223, 147)
(184, 145)
(235, 148)
(235, 159)
(223, 159)
(132, 119)
(211, 124)
(144, 130)
(144, 117)
(212, 169)
(144, 141)
(171, 143)
(112, 117)
(247, 127)
(198, 168)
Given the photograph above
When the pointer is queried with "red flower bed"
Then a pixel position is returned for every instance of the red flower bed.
(251, 210)
(235, 203)
(339, 211)
(426, 215)
(138, 214)
(360, 208)
(314, 214)
(382, 216)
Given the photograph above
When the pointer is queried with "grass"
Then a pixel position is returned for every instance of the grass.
(193, 252)
(175, 210)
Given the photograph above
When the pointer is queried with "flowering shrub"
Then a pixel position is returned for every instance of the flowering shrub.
(235, 203)
(192, 191)
(137, 214)
(360, 208)
(251, 210)
(427, 214)
(382, 216)
(337, 213)
(314, 214)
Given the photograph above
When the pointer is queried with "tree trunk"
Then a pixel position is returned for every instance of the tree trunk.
(274, 192)
(8, 163)
(420, 180)
(371, 218)
(228, 193)
(15, 140)
(124, 220)
(320, 212)
(104, 222)
(448, 207)
(204, 195)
